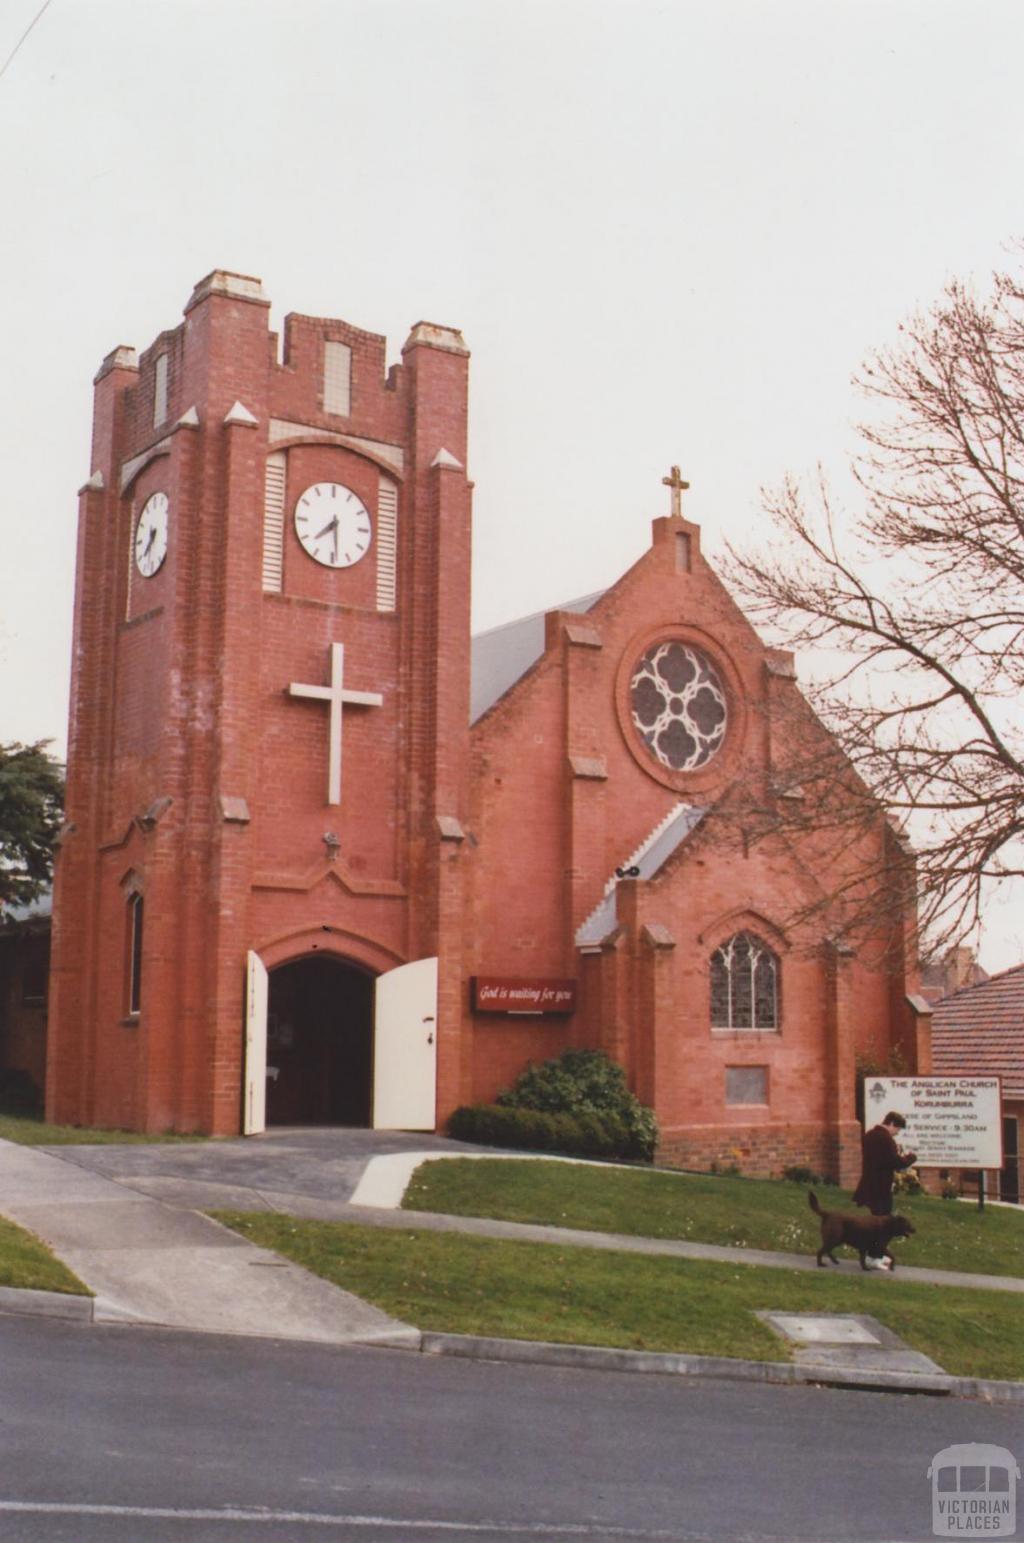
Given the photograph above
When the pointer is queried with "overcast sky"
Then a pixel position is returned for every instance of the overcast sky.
(668, 231)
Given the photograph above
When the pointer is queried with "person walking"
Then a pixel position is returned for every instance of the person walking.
(881, 1160)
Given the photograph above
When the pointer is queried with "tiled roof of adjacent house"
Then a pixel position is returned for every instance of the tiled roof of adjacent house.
(979, 1032)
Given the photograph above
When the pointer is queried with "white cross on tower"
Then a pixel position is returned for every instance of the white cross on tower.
(337, 697)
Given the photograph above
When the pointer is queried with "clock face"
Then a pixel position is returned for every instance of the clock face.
(151, 535)
(333, 525)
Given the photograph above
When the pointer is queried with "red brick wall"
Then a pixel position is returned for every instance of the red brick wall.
(762, 1151)
(538, 757)
(179, 703)
(194, 777)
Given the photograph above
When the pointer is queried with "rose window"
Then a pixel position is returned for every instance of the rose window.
(678, 705)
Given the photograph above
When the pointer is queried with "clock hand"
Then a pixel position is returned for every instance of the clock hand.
(149, 543)
(332, 524)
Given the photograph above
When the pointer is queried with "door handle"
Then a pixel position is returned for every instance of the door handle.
(430, 1039)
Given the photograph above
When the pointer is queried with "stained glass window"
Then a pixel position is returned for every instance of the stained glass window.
(678, 705)
(744, 984)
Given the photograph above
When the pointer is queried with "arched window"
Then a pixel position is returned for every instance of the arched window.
(744, 984)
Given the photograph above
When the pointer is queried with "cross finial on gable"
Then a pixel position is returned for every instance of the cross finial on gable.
(675, 481)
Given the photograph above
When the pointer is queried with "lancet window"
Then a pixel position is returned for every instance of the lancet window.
(744, 984)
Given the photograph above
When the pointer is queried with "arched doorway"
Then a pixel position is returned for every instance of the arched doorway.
(319, 1044)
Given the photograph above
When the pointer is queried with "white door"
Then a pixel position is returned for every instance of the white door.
(254, 1113)
(405, 1047)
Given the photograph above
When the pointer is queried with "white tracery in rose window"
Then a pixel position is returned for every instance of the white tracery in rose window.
(678, 705)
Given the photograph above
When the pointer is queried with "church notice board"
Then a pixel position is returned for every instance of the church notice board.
(952, 1122)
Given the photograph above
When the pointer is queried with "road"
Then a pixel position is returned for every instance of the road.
(128, 1435)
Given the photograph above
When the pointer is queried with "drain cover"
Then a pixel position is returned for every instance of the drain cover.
(823, 1329)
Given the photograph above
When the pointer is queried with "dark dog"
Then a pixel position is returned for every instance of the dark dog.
(867, 1234)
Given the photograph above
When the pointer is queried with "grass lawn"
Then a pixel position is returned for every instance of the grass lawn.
(30, 1131)
(703, 1208)
(27, 1264)
(468, 1285)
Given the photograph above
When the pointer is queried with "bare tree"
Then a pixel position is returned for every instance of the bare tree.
(921, 599)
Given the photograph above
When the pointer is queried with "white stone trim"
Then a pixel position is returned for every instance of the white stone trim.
(161, 372)
(240, 414)
(237, 286)
(337, 378)
(390, 456)
(448, 339)
(130, 469)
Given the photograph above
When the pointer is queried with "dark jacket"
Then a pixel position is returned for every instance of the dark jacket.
(880, 1163)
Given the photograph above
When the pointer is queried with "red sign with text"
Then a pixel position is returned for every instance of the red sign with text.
(522, 994)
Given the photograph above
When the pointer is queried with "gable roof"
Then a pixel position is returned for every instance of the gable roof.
(502, 655)
(650, 856)
(979, 1032)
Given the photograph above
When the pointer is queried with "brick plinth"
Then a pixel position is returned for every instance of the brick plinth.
(764, 1151)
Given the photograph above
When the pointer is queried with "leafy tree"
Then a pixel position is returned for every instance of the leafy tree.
(918, 603)
(31, 806)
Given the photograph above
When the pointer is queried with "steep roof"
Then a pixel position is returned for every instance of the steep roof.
(649, 858)
(500, 656)
(979, 1032)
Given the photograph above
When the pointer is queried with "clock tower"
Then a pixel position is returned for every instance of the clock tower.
(268, 746)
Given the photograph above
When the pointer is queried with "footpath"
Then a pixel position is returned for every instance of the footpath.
(128, 1222)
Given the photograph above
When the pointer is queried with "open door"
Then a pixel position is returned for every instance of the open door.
(405, 1047)
(256, 991)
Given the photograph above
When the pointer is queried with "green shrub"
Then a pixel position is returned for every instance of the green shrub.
(798, 1175)
(536, 1130)
(588, 1083)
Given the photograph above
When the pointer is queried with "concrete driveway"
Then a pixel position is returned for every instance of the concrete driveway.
(305, 1171)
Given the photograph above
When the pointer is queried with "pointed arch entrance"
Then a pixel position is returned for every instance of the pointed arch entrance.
(320, 1043)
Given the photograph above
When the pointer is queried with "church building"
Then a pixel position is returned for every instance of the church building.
(325, 862)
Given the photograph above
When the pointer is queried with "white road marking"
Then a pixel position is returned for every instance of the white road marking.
(319, 1519)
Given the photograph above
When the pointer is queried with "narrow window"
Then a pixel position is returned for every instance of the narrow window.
(337, 379)
(744, 984)
(134, 954)
(160, 391)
